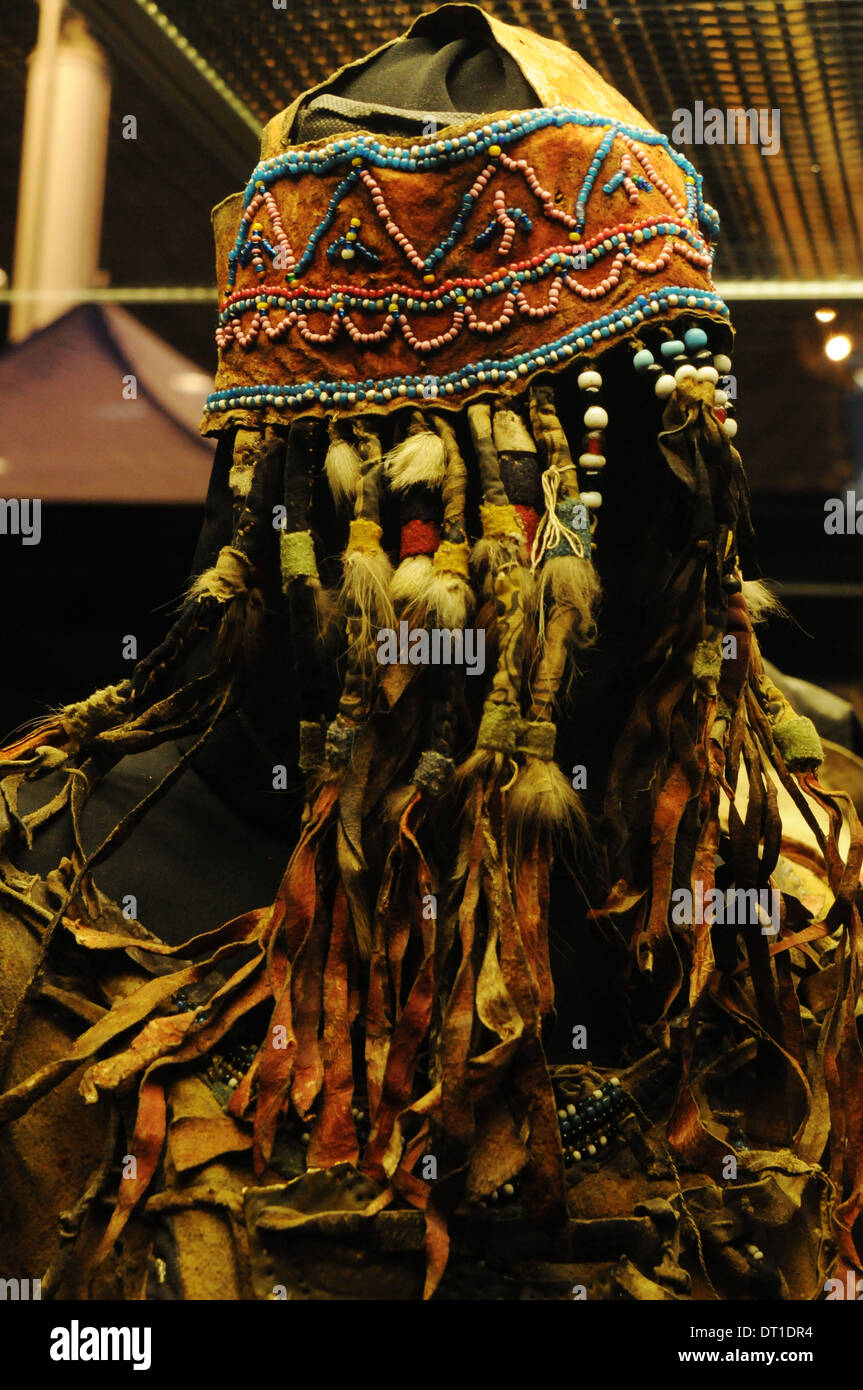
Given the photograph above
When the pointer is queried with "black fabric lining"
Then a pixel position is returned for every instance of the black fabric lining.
(433, 79)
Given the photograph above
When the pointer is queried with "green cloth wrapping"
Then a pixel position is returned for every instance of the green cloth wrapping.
(707, 662)
(797, 740)
(500, 728)
(503, 729)
(340, 740)
(433, 771)
(574, 516)
(537, 739)
(311, 745)
(297, 553)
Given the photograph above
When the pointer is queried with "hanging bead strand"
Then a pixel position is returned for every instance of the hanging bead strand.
(592, 458)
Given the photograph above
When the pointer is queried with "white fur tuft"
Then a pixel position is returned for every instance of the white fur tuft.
(541, 799)
(761, 601)
(342, 465)
(450, 600)
(419, 458)
(572, 583)
(410, 584)
(366, 587)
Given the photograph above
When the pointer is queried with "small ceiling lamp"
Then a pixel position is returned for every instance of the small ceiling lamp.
(838, 347)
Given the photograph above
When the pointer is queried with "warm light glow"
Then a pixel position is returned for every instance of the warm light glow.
(838, 347)
(825, 315)
(195, 383)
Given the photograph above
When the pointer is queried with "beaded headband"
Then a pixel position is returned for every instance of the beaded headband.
(363, 273)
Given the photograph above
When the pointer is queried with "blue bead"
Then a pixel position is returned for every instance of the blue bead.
(642, 360)
(695, 338)
(674, 348)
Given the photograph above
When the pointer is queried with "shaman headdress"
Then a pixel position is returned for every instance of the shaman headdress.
(421, 340)
(367, 271)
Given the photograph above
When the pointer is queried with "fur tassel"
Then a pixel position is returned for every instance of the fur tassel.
(573, 583)
(486, 558)
(449, 600)
(541, 799)
(411, 583)
(418, 459)
(342, 465)
(761, 601)
(227, 579)
(366, 587)
(481, 764)
(487, 555)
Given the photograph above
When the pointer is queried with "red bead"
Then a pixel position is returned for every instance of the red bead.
(720, 413)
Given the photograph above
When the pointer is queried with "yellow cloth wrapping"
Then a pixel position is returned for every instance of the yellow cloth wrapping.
(536, 739)
(365, 537)
(297, 554)
(452, 557)
(500, 523)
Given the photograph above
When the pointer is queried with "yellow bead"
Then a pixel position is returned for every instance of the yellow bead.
(428, 279)
(494, 150)
(356, 222)
(355, 162)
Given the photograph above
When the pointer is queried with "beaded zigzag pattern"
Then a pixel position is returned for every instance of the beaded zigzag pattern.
(487, 371)
(403, 305)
